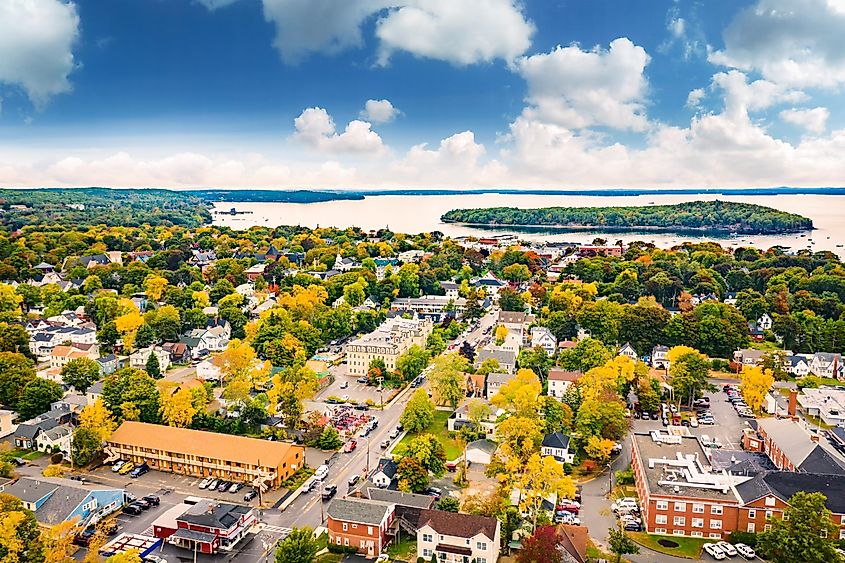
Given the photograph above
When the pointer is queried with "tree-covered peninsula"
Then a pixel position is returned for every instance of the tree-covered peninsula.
(741, 218)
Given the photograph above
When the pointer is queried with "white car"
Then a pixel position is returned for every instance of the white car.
(745, 551)
(729, 549)
(205, 482)
(117, 465)
(714, 551)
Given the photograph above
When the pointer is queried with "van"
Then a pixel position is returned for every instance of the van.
(322, 472)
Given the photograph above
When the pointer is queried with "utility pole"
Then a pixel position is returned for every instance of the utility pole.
(610, 478)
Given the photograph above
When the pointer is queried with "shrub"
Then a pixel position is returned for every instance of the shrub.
(54, 471)
(567, 468)
(57, 457)
(748, 538)
(720, 365)
(342, 549)
(808, 381)
(625, 477)
(589, 465)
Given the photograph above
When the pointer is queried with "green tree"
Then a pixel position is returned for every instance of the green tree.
(16, 371)
(329, 439)
(429, 452)
(806, 532)
(152, 367)
(418, 413)
(81, 373)
(688, 373)
(376, 369)
(448, 504)
(510, 300)
(86, 444)
(447, 379)
(642, 325)
(37, 396)
(586, 355)
(413, 477)
(411, 363)
(130, 392)
(536, 360)
(620, 544)
(298, 547)
(14, 338)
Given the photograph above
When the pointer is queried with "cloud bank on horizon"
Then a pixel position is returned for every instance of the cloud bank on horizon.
(421, 93)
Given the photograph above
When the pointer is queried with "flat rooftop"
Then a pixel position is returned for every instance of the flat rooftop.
(677, 466)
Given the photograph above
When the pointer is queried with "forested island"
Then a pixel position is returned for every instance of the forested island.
(732, 217)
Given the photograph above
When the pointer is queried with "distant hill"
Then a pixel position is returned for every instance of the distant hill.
(741, 218)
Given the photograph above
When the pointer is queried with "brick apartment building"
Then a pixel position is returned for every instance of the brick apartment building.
(682, 494)
(360, 523)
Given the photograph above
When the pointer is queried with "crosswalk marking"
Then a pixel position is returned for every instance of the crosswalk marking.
(277, 530)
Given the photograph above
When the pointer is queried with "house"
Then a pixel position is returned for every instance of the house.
(461, 417)
(389, 341)
(827, 364)
(207, 371)
(559, 381)
(506, 358)
(557, 445)
(414, 255)
(6, 426)
(61, 500)
(138, 359)
(516, 322)
(749, 357)
(792, 448)
(757, 334)
(384, 474)
(573, 543)
(543, 337)
(481, 451)
(202, 258)
(360, 523)
(495, 382)
(95, 392)
(179, 352)
(345, 264)
(198, 453)
(55, 439)
(26, 433)
(61, 355)
(476, 383)
(399, 498)
(457, 538)
(660, 357)
(451, 289)
(764, 322)
(382, 264)
(212, 527)
(218, 333)
(826, 403)
(438, 307)
(629, 351)
(797, 366)
(255, 271)
(730, 298)
(108, 364)
(490, 284)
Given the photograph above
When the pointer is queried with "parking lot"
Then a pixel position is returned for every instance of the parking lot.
(727, 429)
(347, 385)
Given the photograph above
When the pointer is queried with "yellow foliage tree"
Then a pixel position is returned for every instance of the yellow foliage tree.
(177, 408)
(53, 471)
(97, 418)
(127, 325)
(676, 352)
(10, 542)
(520, 437)
(521, 394)
(57, 541)
(501, 334)
(542, 478)
(599, 449)
(130, 556)
(304, 302)
(239, 362)
(154, 286)
(754, 385)
(201, 299)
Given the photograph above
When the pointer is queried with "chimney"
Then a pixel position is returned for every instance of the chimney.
(792, 406)
(814, 438)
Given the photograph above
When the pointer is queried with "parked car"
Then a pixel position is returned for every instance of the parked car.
(745, 551)
(132, 509)
(126, 468)
(395, 433)
(344, 385)
(117, 465)
(152, 499)
(205, 482)
(140, 470)
(213, 485)
(433, 492)
(362, 407)
(329, 491)
(224, 486)
(250, 495)
(144, 504)
(350, 446)
(363, 379)
(713, 550)
(729, 549)
(83, 538)
(353, 480)
(385, 444)
(236, 488)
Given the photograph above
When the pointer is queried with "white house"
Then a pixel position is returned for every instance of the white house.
(452, 537)
(827, 364)
(764, 322)
(384, 473)
(559, 381)
(556, 445)
(628, 350)
(139, 358)
(543, 337)
(660, 357)
(460, 418)
(344, 264)
(55, 439)
(495, 382)
(797, 366)
(207, 371)
(451, 289)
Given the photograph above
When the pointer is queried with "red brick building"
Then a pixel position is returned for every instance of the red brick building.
(360, 523)
(211, 527)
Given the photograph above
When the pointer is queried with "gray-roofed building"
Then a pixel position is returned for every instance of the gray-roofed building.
(792, 448)
(210, 527)
(556, 444)
(384, 473)
(400, 498)
(506, 358)
(360, 523)
(495, 382)
(740, 462)
(60, 500)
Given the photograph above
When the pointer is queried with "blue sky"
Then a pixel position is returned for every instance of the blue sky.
(271, 93)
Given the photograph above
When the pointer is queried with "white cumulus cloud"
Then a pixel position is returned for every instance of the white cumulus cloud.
(460, 32)
(316, 128)
(379, 111)
(574, 88)
(794, 43)
(813, 120)
(36, 46)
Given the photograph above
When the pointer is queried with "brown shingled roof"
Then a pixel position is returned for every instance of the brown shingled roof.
(456, 524)
(564, 375)
(574, 540)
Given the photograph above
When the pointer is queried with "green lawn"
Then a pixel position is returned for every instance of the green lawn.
(689, 548)
(406, 549)
(440, 430)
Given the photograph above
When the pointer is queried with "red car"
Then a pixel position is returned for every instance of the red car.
(350, 446)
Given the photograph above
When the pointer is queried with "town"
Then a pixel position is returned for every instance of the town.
(319, 395)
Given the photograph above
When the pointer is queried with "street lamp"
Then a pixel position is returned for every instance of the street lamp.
(610, 478)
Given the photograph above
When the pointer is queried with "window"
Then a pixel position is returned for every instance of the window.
(768, 514)
(428, 537)
(697, 534)
(751, 528)
(677, 532)
(441, 537)
(698, 508)
(716, 509)
(785, 516)
(679, 521)
(680, 507)
(338, 540)
(481, 545)
(480, 560)
(823, 533)
(660, 519)
(370, 530)
(345, 526)
(715, 535)
(770, 501)
(752, 514)
(662, 505)
(426, 553)
(468, 541)
(716, 524)
(660, 530)
(345, 541)
(698, 522)
(354, 526)
(842, 534)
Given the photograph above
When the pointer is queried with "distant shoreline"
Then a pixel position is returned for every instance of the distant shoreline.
(716, 232)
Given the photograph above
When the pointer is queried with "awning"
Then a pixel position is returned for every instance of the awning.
(194, 536)
(457, 550)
